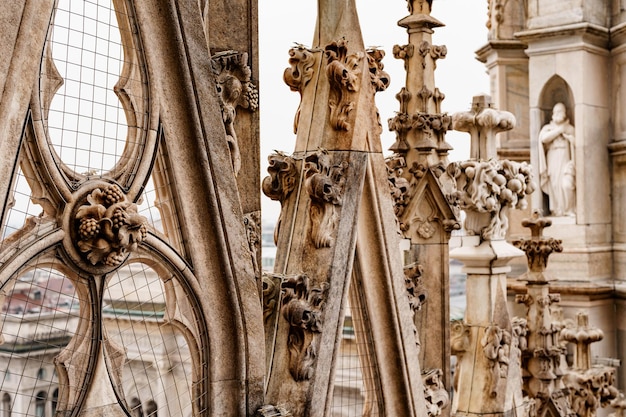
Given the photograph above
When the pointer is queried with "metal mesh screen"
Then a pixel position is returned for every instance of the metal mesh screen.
(158, 367)
(39, 316)
(87, 124)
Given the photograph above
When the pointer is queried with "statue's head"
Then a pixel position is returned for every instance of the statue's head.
(559, 113)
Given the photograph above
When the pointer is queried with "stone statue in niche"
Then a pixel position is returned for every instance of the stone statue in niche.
(556, 163)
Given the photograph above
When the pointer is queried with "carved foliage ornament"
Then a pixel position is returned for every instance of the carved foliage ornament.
(235, 89)
(302, 308)
(380, 79)
(435, 392)
(281, 181)
(325, 182)
(486, 190)
(404, 52)
(343, 75)
(108, 226)
(430, 124)
(298, 75)
(496, 343)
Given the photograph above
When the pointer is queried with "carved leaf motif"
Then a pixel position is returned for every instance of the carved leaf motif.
(302, 61)
(496, 344)
(325, 182)
(435, 392)
(302, 308)
(343, 75)
(491, 188)
(281, 182)
(380, 79)
(234, 90)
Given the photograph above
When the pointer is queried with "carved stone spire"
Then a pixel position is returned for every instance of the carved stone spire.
(419, 125)
(541, 357)
(331, 195)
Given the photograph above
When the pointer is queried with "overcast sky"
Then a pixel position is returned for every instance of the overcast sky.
(459, 76)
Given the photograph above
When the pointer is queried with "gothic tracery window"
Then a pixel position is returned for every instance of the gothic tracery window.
(90, 250)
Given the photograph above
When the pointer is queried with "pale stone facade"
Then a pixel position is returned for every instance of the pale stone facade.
(540, 53)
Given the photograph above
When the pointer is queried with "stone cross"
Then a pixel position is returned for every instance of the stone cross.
(582, 336)
(483, 122)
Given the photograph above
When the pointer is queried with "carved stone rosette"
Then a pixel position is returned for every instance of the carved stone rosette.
(487, 190)
(324, 182)
(108, 227)
(302, 308)
(343, 73)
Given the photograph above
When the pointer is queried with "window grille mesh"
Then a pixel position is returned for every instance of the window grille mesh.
(39, 316)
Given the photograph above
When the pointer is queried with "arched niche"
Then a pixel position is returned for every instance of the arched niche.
(556, 90)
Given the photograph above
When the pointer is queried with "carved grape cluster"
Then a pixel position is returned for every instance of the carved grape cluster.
(89, 227)
(108, 226)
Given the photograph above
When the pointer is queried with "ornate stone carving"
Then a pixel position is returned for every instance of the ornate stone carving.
(414, 286)
(435, 392)
(324, 182)
(271, 294)
(486, 190)
(252, 223)
(235, 89)
(483, 122)
(401, 123)
(591, 389)
(302, 308)
(496, 344)
(380, 79)
(538, 249)
(459, 344)
(302, 61)
(281, 182)
(435, 51)
(404, 52)
(108, 226)
(438, 52)
(343, 75)
(399, 186)
(273, 411)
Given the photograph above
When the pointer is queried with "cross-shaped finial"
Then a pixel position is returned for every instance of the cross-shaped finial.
(536, 223)
(483, 122)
